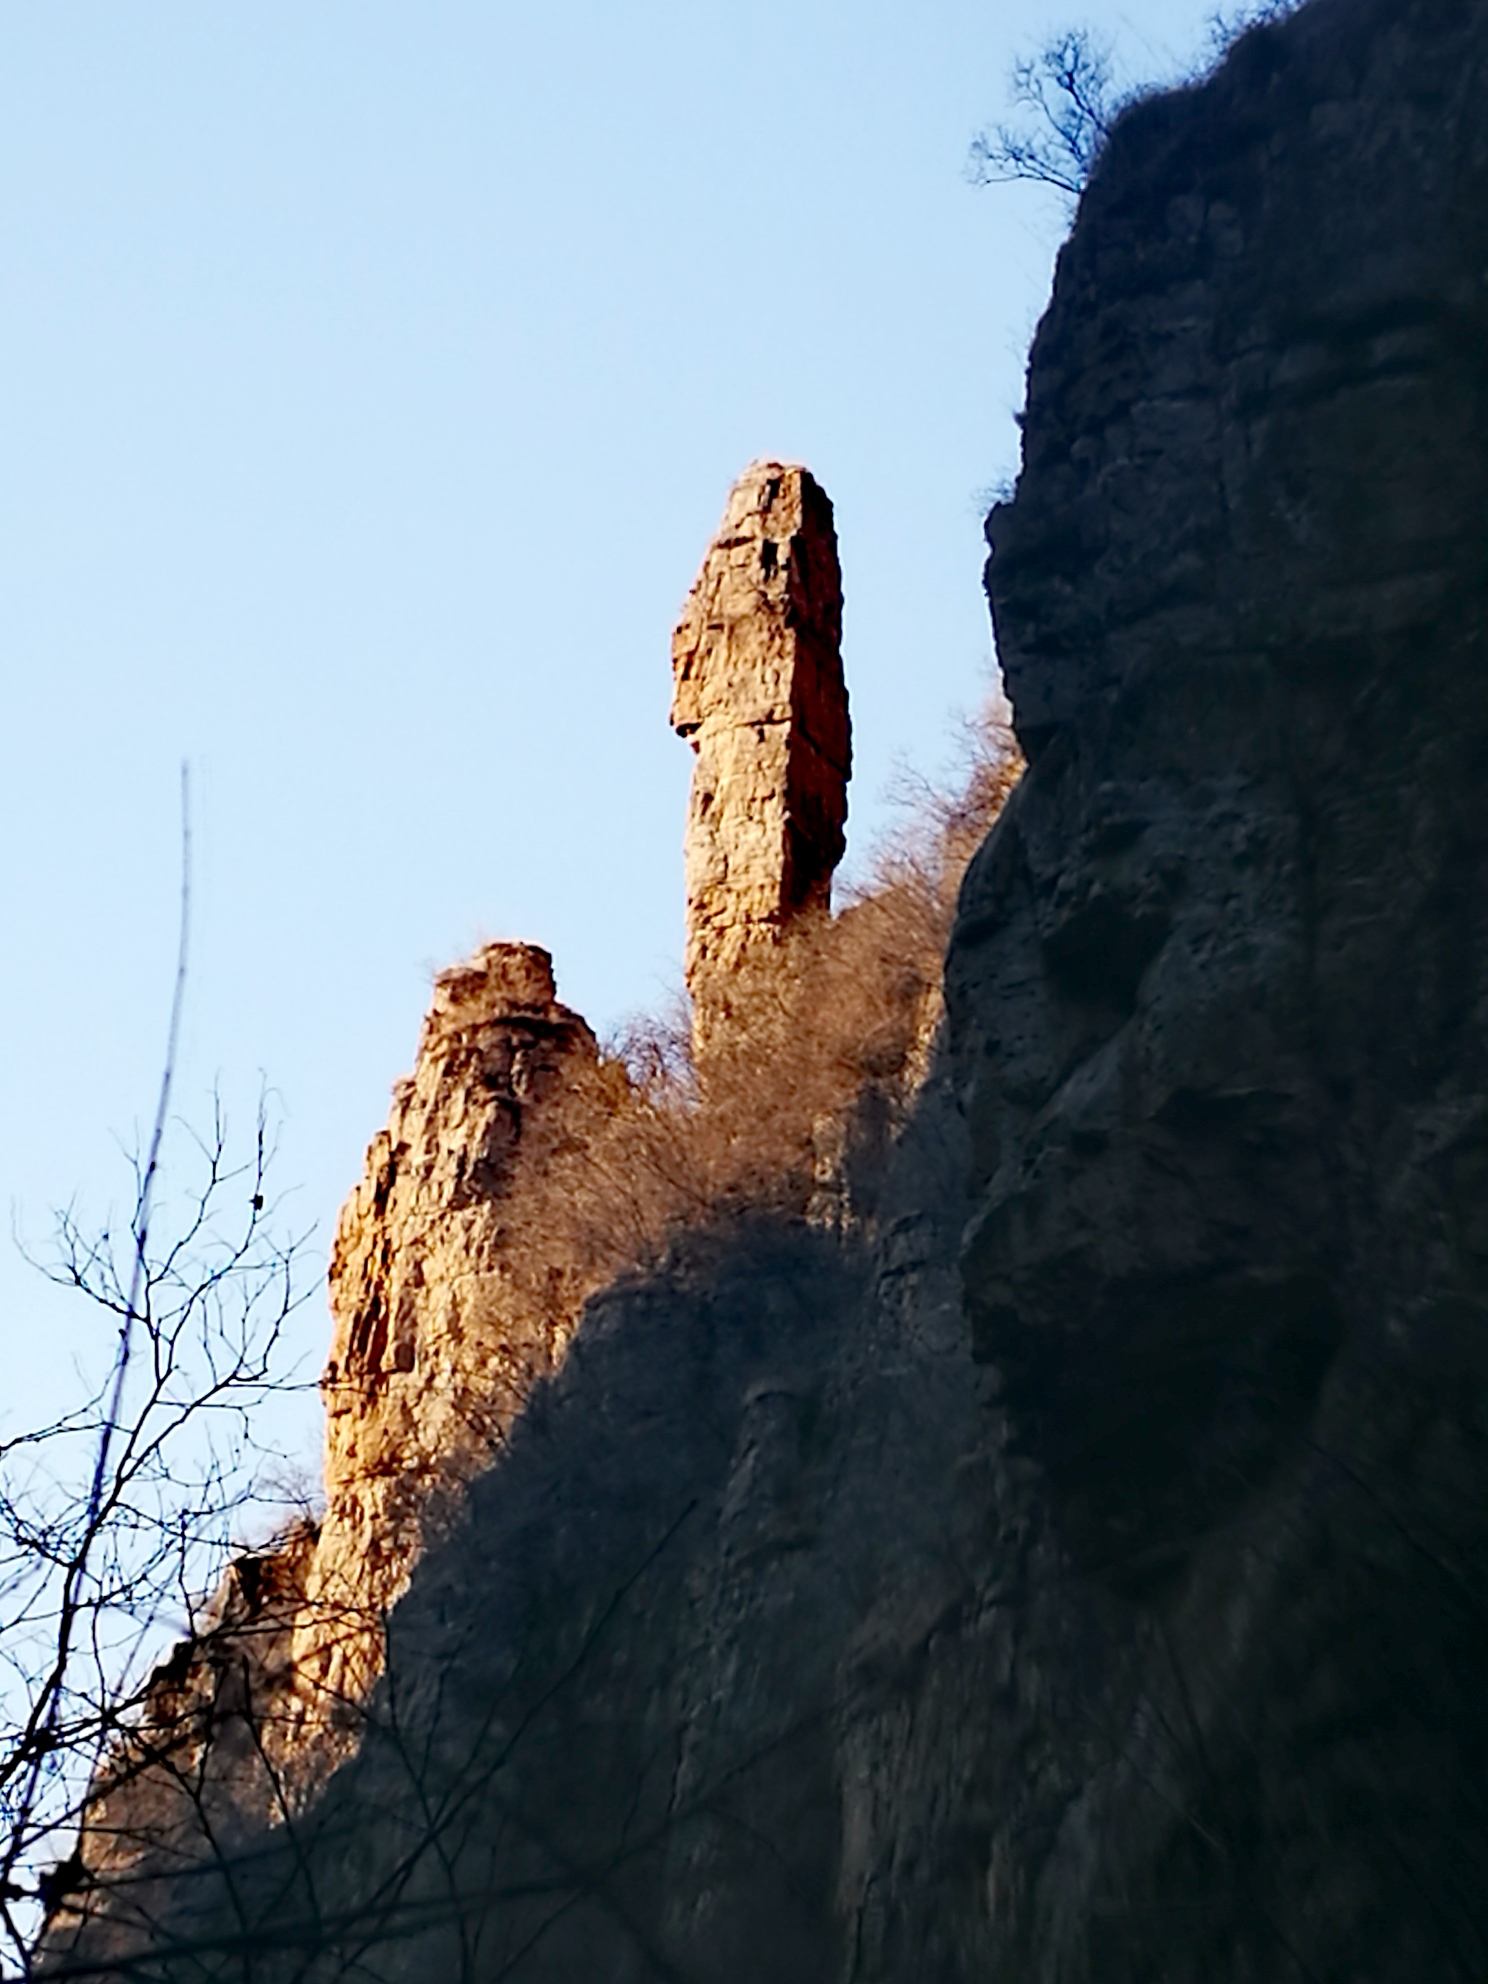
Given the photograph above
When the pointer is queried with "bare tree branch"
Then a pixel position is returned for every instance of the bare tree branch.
(1065, 101)
(117, 1516)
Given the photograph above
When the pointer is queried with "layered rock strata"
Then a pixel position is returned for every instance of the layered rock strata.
(758, 692)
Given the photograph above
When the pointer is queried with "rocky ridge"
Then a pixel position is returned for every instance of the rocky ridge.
(445, 1314)
(440, 1331)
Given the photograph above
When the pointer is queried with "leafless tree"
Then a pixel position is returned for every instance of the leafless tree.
(117, 1516)
(1064, 99)
(1066, 96)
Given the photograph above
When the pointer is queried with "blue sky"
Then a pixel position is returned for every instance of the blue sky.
(373, 379)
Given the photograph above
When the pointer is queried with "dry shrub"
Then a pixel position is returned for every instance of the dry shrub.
(827, 1041)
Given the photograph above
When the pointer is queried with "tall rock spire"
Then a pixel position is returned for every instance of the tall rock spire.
(758, 692)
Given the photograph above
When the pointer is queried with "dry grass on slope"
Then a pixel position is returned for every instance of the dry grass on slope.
(829, 1029)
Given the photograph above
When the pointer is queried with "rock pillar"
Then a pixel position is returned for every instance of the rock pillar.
(758, 692)
(436, 1343)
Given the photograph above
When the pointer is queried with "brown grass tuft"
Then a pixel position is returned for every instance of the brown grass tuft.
(828, 1041)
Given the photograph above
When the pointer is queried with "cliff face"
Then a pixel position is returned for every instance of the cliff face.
(1220, 988)
(1072, 1565)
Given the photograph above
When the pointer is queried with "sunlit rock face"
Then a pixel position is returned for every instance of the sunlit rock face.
(436, 1343)
(758, 691)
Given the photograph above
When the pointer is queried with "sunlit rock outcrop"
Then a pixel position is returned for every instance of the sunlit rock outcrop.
(436, 1343)
(758, 692)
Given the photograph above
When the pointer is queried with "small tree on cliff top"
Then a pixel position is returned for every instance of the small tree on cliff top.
(1066, 96)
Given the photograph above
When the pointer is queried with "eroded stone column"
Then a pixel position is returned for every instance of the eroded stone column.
(758, 692)
(436, 1342)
